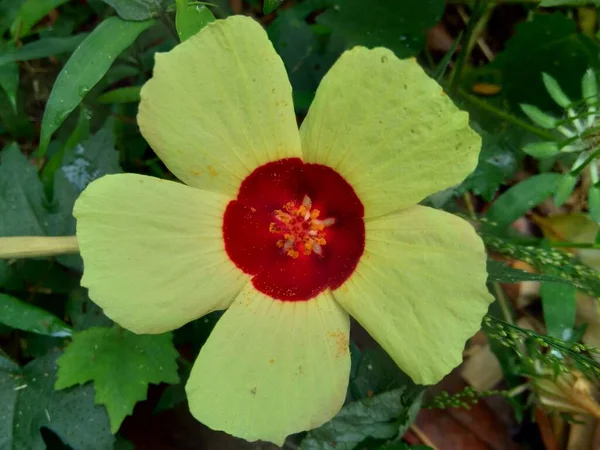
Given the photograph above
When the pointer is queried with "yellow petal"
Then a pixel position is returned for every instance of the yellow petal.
(153, 251)
(389, 129)
(219, 105)
(272, 368)
(419, 289)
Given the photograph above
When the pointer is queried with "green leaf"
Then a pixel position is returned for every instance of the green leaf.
(551, 3)
(22, 200)
(129, 94)
(43, 48)
(561, 51)
(29, 402)
(190, 19)
(594, 203)
(30, 13)
(400, 26)
(378, 417)
(121, 364)
(558, 302)
(271, 5)
(137, 9)
(499, 271)
(87, 65)
(556, 91)
(539, 117)
(589, 87)
(23, 316)
(522, 197)
(543, 149)
(564, 188)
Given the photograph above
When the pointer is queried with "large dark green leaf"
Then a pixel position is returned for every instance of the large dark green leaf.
(398, 25)
(380, 417)
(29, 402)
(560, 50)
(81, 164)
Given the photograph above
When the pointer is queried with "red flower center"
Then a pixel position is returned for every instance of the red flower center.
(297, 228)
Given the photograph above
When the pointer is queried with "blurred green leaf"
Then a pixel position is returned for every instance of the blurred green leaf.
(551, 3)
(29, 402)
(564, 188)
(22, 200)
(121, 364)
(379, 417)
(129, 94)
(83, 312)
(549, 261)
(24, 316)
(8, 13)
(522, 197)
(403, 446)
(543, 149)
(271, 5)
(375, 373)
(174, 395)
(497, 162)
(558, 302)
(42, 48)
(190, 19)
(87, 65)
(137, 9)
(398, 25)
(594, 203)
(503, 273)
(81, 164)
(9, 78)
(30, 13)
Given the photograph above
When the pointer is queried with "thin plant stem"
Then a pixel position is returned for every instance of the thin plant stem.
(503, 302)
(470, 37)
(506, 116)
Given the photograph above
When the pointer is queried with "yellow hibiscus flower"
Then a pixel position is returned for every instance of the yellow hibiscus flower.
(292, 231)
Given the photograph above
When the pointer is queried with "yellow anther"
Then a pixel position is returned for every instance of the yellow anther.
(301, 228)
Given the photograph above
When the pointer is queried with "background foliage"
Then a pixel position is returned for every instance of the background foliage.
(70, 77)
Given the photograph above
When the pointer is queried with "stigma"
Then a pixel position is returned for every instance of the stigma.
(300, 227)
